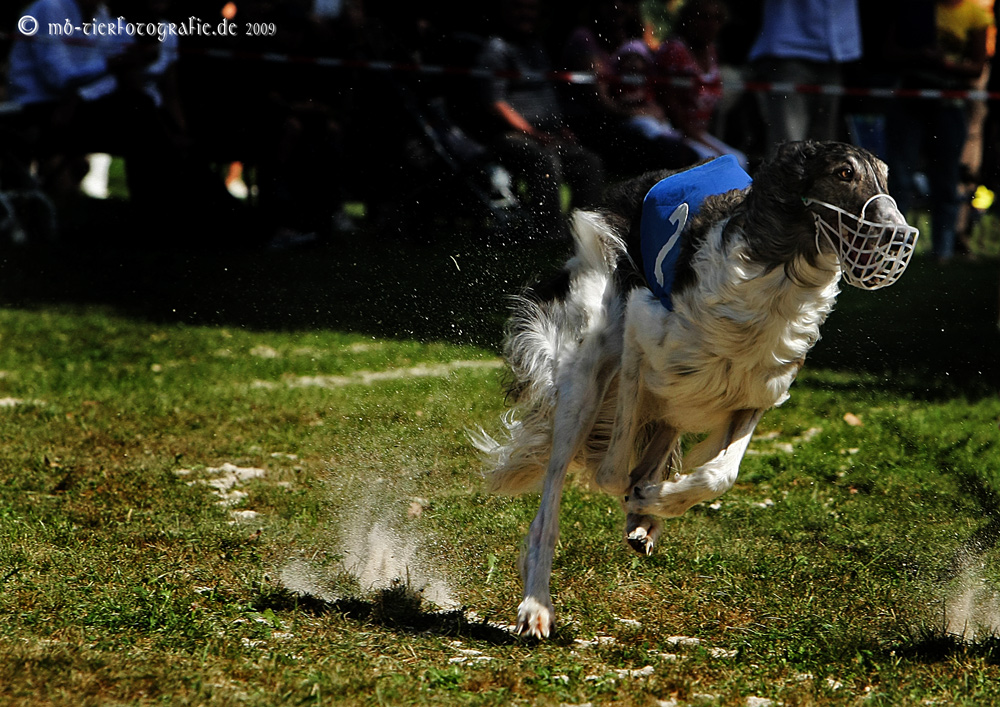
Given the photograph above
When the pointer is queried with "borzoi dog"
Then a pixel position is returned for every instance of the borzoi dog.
(688, 307)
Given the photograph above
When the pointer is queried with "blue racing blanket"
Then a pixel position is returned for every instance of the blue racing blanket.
(666, 210)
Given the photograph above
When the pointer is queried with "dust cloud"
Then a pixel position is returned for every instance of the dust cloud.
(971, 607)
(377, 542)
(970, 599)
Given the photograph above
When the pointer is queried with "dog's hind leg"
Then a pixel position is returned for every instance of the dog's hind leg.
(577, 407)
(613, 476)
(717, 463)
(613, 473)
(642, 531)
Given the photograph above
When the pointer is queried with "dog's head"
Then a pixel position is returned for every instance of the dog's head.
(815, 199)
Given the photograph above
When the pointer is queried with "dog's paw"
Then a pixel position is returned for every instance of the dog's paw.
(535, 619)
(642, 532)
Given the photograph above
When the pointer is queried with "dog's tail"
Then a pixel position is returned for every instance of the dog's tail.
(518, 464)
(598, 246)
(542, 334)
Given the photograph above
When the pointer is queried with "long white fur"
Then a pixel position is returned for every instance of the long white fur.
(604, 367)
(548, 343)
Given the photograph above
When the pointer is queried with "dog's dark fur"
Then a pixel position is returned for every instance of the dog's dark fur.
(605, 376)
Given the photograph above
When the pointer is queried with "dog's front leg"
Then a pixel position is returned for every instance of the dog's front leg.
(576, 411)
(722, 451)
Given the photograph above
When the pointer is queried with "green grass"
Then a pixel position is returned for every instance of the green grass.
(822, 578)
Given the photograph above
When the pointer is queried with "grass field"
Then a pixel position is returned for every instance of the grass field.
(243, 478)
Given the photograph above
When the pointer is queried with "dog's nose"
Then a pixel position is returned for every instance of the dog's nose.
(882, 209)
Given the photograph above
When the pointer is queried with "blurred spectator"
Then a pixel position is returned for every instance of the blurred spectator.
(529, 135)
(975, 141)
(939, 45)
(83, 94)
(111, 92)
(990, 168)
(646, 119)
(431, 165)
(610, 117)
(691, 55)
(804, 42)
(159, 78)
(283, 122)
(590, 108)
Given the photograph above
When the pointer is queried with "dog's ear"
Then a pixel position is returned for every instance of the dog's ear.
(778, 225)
(786, 176)
(781, 182)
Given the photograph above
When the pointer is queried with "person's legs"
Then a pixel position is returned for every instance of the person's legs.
(944, 174)
(798, 116)
(126, 123)
(905, 123)
(823, 108)
(785, 114)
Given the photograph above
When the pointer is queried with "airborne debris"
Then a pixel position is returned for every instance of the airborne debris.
(853, 420)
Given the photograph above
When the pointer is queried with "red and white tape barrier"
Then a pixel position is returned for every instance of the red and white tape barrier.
(584, 77)
(566, 77)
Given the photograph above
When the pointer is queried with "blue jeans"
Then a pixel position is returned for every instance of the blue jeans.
(798, 116)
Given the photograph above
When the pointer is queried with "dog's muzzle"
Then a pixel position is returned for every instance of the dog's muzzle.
(873, 254)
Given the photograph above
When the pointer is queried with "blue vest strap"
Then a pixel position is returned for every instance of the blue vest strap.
(667, 208)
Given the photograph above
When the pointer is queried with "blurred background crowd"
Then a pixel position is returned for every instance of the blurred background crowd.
(261, 138)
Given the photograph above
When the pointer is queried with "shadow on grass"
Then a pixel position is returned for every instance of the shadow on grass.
(933, 335)
(938, 647)
(456, 288)
(398, 608)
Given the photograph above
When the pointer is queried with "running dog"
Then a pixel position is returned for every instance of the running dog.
(688, 306)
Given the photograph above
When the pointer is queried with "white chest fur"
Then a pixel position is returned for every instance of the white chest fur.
(735, 340)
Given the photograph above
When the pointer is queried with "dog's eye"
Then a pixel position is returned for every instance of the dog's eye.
(845, 173)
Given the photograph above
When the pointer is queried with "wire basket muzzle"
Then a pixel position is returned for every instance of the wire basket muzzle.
(872, 254)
